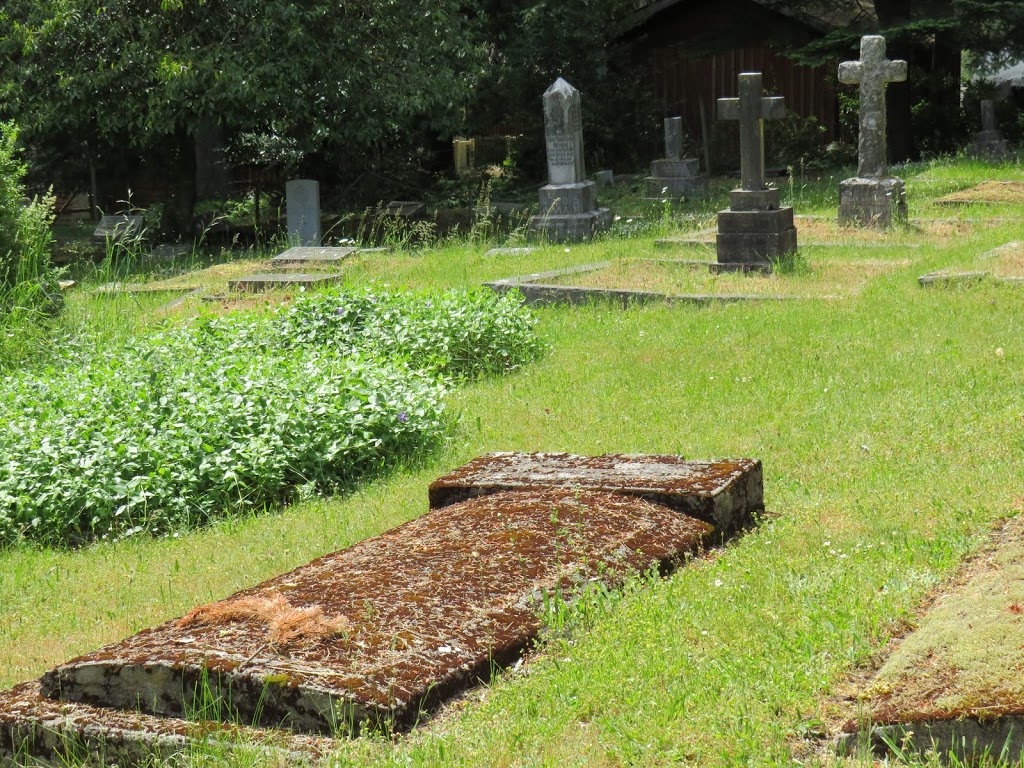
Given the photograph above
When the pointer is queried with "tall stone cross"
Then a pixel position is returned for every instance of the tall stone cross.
(563, 133)
(872, 72)
(751, 109)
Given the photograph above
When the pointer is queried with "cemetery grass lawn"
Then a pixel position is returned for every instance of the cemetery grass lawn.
(890, 427)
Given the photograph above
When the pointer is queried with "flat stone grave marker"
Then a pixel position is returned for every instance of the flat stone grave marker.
(393, 625)
(1003, 264)
(118, 225)
(872, 198)
(310, 255)
(269, 281)
(509, 252)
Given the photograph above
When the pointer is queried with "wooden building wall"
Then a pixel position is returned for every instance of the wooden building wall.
(683, 83)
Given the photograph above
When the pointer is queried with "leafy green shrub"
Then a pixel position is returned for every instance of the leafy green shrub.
(457, 335)
(240, 412)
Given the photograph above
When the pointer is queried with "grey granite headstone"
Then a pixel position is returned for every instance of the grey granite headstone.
(674, 177)
(673, 138)
(117, 226)
(568, 203)
(755, 233)
(989, 143)
(302, 200)
(873, 198)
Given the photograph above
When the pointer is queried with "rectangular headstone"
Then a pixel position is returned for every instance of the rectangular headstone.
(302, 201)
(673, 138)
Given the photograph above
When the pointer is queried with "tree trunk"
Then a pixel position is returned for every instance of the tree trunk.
(177, 218)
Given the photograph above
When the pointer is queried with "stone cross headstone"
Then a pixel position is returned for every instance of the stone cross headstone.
(755, 234)
(673, 138)
(872, 72)
(563, 133)
(751, 109)
(568, 202)
(302, 202)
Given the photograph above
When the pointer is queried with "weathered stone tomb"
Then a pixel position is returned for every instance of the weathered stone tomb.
(383, 631)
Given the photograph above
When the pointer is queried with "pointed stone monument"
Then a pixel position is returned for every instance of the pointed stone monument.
(755, 233)
(873, 198)
(989, 143)
(674, 177)
(568, 203)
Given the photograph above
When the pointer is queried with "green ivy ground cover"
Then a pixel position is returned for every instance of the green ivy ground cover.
(234, 413)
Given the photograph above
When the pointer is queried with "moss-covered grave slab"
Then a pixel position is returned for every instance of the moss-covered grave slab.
(955, 684)
(384, 630)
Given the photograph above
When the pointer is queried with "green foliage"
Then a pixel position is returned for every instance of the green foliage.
(29, 293)
(454, 335)
(283, 79)
(240, 412)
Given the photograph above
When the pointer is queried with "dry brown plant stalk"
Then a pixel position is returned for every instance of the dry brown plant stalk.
(285, 623)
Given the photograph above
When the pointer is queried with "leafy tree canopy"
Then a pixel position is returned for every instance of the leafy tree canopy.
(284, 78)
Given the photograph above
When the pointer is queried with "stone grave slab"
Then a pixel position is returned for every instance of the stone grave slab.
(1002, 264)
(309, 255)
(269, 281)
(723, 493)
(537, 291)
(61, 733)
(376, 631)
(116, 226)
(387, 628)
(509, 252)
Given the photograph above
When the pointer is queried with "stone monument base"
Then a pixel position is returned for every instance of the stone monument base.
(569, 213)
(872, 202)
(989, 145)
(755, 234)
(675, 179)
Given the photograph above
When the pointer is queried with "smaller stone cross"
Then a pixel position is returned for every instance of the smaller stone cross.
(872, 72)
(673, 138)
(751, 109)
(563, 133)
(988, 115)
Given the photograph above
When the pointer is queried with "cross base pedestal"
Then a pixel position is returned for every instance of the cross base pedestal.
(872, 202)
(755, 234)
(989, 145)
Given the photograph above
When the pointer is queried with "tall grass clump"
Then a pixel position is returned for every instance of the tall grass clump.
(183, 425)
(29, 293)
